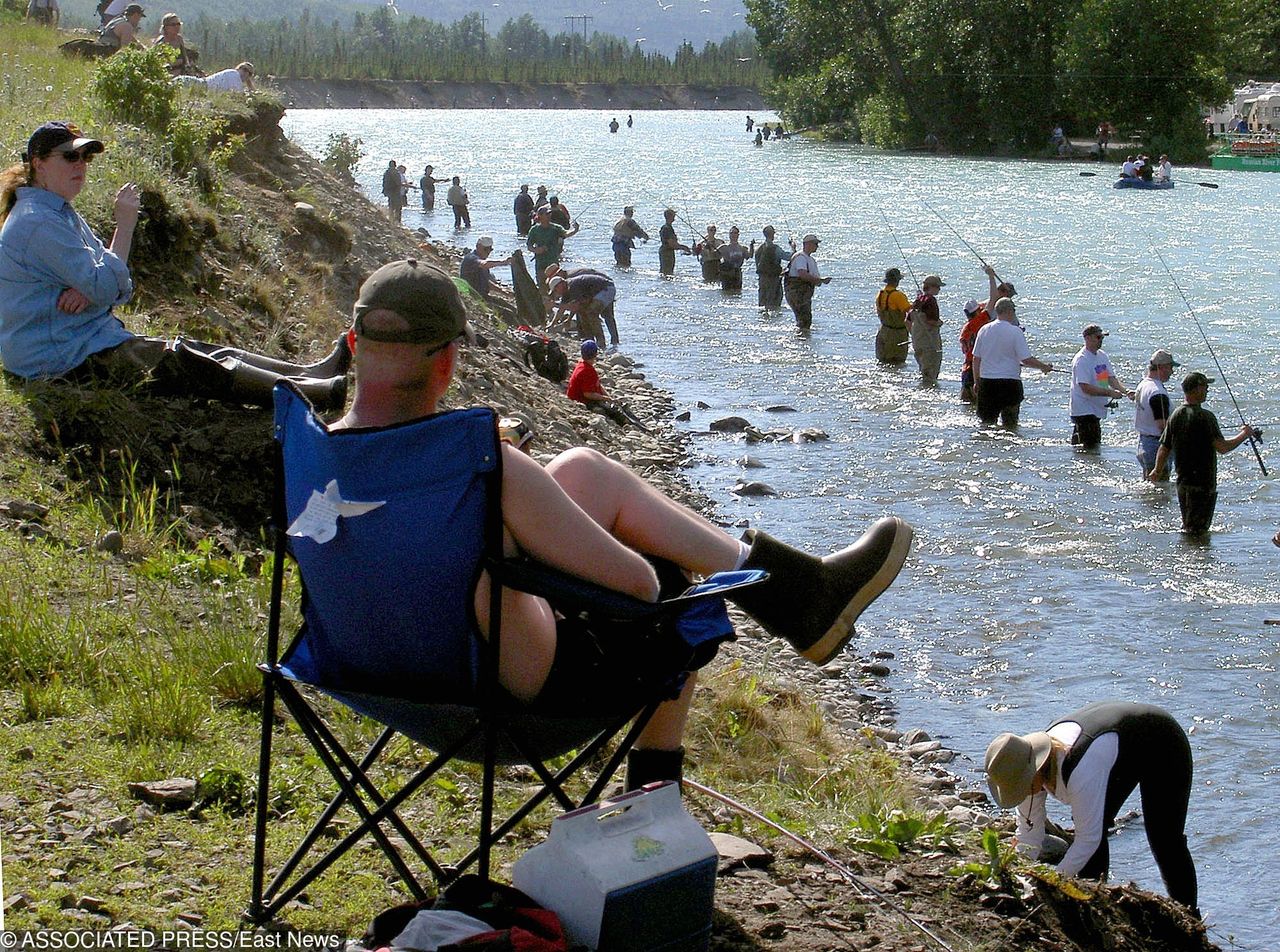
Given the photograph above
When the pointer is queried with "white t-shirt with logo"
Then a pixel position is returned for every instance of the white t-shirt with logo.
(1092, 368)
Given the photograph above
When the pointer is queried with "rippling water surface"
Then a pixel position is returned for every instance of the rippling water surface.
(1042, 578)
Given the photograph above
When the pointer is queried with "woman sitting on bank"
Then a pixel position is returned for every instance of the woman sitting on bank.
(171, 35)
(59, 285)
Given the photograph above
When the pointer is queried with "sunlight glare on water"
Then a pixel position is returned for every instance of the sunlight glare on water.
(1042, 578)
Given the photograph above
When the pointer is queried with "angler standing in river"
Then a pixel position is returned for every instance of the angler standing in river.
(803, 279)
(999, 354)
(892, 307)
(732, 256)
(708, 252)
(625, 232)
(523, 209)
(770, 259)
(926, 329)
(669, 244)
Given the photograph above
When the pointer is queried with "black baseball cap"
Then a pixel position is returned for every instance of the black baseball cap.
(1193, 380)
(52, 135)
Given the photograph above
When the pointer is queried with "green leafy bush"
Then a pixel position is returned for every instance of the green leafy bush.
(343, 153)
(134, 86)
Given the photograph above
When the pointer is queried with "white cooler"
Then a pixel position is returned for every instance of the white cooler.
(634, 874)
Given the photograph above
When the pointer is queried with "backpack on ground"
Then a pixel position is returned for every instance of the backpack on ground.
(543, 355)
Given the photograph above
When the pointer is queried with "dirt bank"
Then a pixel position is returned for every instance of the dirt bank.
(387, 94)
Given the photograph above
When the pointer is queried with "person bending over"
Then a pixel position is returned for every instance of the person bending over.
(59, 286)
(409, 326)
(1092, 760)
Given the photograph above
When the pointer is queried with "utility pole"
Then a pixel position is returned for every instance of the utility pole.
(584, 18)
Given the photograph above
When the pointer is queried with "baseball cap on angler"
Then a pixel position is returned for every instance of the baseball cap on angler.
(971, 307)
(53, 135)
(1193, 380)
(1162, 358)
(1093, 330)
(423, 296)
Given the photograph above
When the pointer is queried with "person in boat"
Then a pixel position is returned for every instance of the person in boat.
(1092, 760)
(590, 516)
(1093, 386)
(1193, 437)
(625, 232)
(1146, 169)
(892, 307)
(1129, 169)
(976, 318)
(1164, 172)
(60, 285)
(1000, 352)
(708, 252)
(925, 324)
(732, 256)
(669, 243)
(770, 264)
(803, 279)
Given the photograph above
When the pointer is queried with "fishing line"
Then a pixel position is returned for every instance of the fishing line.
(827, 858)
(972, 249)
(894, 236)
(1253, 440)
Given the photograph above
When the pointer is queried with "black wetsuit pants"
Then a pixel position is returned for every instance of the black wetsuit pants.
(1162, 772)
(1197, 504)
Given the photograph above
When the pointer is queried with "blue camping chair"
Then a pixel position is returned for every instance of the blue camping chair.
(390, 529)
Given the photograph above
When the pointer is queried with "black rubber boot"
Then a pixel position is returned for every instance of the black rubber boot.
(652, 766)
(335, 364)
(813, 603)
(253, 385)
(228, 378)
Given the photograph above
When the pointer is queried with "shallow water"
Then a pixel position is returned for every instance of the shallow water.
(1043, 578)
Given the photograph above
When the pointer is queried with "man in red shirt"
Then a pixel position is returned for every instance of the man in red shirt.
(976, 317)
(584, 382)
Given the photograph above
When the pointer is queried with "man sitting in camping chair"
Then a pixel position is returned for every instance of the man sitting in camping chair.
(593, 518)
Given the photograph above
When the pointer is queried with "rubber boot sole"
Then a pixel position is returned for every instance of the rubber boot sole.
(842, 630)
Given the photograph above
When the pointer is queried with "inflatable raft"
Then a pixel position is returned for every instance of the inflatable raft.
(1141, 183)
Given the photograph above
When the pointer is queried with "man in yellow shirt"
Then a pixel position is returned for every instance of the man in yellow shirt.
(892, 307)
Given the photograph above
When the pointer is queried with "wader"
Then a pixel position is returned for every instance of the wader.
(891, 339)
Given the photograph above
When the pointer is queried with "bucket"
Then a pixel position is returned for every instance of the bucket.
(632, 874)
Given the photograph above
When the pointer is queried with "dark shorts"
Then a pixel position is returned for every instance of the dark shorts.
(619, 668)
(998, 398)
(1087, 431)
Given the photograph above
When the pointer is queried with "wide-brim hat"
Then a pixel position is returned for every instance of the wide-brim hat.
(1012, 763)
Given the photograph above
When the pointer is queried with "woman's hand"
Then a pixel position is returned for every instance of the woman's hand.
(128, 202)
(72, 301)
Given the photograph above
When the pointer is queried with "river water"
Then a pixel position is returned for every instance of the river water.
(1042, 577)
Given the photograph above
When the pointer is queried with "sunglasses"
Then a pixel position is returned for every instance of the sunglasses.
(72, 156)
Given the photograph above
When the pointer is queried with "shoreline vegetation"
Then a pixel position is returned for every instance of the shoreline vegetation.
(449, 94)
(135, 573)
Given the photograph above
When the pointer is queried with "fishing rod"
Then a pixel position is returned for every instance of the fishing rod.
(1253, 440)
(972, 249)
(894, 236)
(865, 887)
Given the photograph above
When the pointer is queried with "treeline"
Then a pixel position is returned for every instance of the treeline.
(997, 76)
(382, 44)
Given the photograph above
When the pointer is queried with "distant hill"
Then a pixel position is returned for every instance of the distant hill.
(662, 25)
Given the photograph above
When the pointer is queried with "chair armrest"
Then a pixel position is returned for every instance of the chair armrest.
(571, 594)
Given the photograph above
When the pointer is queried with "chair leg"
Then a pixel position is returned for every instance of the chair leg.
(255, 911)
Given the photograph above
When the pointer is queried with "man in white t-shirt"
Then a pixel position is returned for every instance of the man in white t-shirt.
(1129, 169)
(803, 278)
(1152, 408)
(1000, 352)
(1093, 386)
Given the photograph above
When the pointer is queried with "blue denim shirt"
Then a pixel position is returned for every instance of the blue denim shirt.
(45, 248)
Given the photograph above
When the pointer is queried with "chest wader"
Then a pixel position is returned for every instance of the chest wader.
(891, 339)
